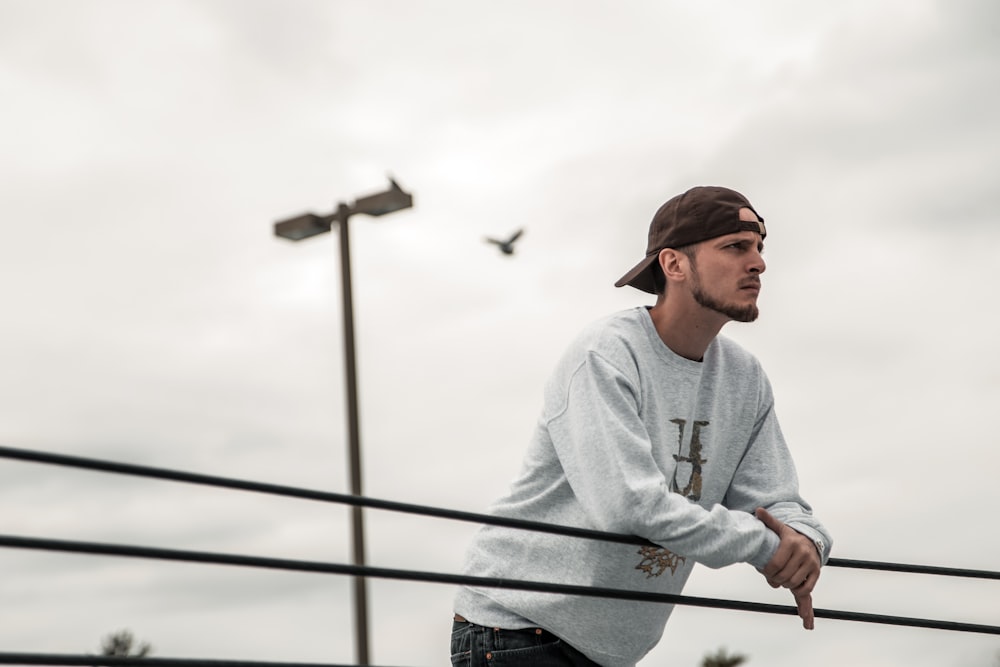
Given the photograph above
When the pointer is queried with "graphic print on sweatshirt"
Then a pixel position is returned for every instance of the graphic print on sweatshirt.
(692, 490)
(657, 560)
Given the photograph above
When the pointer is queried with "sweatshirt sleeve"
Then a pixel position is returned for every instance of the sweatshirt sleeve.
(607, 457)
(766, 477)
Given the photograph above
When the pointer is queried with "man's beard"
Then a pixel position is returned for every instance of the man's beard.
(747, 313)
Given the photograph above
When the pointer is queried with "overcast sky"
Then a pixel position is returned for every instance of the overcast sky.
(151, 316)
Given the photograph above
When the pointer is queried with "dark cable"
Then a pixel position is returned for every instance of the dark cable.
(913, 569)
(95, 548)
(374, 503)
(136, 661)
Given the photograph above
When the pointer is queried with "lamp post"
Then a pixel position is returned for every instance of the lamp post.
(302, 227)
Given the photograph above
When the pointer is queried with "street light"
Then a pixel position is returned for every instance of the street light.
(305, 226)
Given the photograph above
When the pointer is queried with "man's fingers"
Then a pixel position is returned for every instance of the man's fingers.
(806, 587)
(791, 568)
(804, 605)
(803, 583)
(796, 576)
(768, 520)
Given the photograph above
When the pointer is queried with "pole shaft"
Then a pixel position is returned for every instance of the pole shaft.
(354, 440)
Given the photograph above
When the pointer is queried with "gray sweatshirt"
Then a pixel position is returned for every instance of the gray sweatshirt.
(636, 439)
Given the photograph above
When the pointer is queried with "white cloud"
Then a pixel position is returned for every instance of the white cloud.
(151, 316)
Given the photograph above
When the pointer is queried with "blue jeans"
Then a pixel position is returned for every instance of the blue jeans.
(477, 646)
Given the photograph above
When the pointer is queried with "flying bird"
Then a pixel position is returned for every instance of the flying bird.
(506, 246)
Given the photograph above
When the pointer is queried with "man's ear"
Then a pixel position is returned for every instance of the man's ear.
(674, 263)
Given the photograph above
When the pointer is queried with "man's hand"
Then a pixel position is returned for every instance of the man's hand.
(795, 565)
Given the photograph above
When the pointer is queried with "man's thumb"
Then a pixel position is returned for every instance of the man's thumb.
(768, 520)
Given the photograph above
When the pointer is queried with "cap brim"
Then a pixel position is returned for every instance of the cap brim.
(641, 277)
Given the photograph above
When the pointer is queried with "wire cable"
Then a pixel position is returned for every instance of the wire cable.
(375, 503)
(7, 658)
(204, 557)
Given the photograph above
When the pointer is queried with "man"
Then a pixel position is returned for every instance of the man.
(656, 426)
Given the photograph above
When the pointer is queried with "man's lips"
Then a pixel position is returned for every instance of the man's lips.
(753, 285)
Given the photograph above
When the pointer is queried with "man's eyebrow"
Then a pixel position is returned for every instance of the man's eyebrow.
(732, 239)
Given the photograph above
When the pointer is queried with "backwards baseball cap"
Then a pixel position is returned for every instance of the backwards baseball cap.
(699, 214)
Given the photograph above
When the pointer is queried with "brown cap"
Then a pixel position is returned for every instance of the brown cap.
(699, 214)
